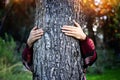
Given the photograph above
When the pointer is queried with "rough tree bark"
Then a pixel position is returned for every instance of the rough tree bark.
(56, 56)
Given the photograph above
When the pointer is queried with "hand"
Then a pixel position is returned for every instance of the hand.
(74, 31)
(35, 34)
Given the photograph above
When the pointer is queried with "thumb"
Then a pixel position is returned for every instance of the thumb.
(76, 24)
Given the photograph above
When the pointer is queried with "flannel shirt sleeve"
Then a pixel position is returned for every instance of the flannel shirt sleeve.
(27, 58)
(88, 52)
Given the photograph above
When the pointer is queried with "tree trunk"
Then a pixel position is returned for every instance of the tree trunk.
(56, 56)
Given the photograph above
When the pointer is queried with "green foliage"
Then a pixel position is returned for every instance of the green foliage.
(114, 25)
(7, 48)
(15, 72)
(118, 35)
(10, 68)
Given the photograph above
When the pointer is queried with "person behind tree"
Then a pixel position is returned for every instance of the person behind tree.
(87, 46)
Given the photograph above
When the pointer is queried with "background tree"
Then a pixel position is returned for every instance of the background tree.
(56, 56)
(16, 19)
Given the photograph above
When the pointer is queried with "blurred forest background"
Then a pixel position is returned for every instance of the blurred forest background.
(102, 25)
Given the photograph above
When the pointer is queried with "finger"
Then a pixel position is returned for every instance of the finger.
(41, 30)
(34, 28)
(69, 34)
(66, 31)
(37, 31)
(36, 38)
(76, 24)
(40, 34)
(68, 28)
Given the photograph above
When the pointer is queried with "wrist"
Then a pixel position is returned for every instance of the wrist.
(83, 37)
(29, 44)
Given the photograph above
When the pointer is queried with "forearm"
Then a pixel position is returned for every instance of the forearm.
(27, 57)
(88, 51)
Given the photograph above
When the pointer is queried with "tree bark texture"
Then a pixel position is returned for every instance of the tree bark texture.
(56, 56)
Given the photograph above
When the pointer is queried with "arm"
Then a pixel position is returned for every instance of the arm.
(27, 57)
(88, 52)
(27, 54)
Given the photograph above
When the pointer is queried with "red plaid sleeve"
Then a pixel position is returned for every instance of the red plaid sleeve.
(27, 57)
(88, 52)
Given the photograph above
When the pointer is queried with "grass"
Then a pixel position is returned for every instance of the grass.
(16, 72)
(112, 74)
